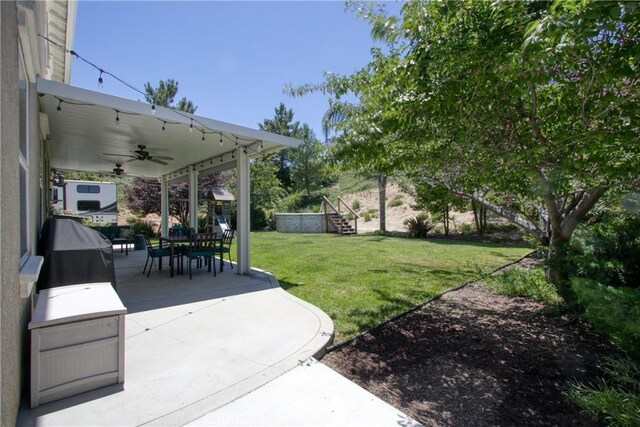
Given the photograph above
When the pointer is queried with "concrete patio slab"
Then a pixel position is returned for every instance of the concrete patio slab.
(308, 395)
(192, 346)
(225, 350)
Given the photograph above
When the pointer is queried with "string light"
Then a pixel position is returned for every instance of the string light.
(100, 80)
(191, 126)
(164, 123)
(221, 143)
(233, 154)
(221, 157)
(153, 108)
(236, 141)
(117, 118)
(202, 135)
(59, 108)
(260, 147)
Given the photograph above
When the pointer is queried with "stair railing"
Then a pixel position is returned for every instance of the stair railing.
(326, 204)
(355, 215)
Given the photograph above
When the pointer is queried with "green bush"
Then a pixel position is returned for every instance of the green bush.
(299, 202)
(612, 311)
(143, 226)
(132, 219)
(614, 401)
(465, 228)
(518, 282)
(395, 202)
(419, 226)
(355, 205)
(608, 251)
(366, 216)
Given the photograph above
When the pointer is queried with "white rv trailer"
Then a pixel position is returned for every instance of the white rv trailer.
(88, 199)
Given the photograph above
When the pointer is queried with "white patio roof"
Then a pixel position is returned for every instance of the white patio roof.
(86, 127)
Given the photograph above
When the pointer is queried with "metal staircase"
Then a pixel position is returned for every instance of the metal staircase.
(337, 222)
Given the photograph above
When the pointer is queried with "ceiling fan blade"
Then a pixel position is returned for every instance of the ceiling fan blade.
(119, 155)
(132, 160)
(154, 160)
(163, 157)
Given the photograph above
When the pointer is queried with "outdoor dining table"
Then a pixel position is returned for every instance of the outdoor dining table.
(172, 240)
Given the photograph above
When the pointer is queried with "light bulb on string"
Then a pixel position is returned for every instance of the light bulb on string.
(191, 126)
(221, 157)
(221, 143)
(59, 108)
(117, 118)
(233, 154)
(202, 135)
(100, 80)
(260, 147)
(163, 123)
(153, 108)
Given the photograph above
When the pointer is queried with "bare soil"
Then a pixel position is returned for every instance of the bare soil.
(474, 358)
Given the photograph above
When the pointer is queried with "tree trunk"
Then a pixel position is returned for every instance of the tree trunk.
(382, 200)
(445, 220)
(480, 217)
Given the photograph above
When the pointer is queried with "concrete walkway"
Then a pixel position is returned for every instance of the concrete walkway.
(194, 346)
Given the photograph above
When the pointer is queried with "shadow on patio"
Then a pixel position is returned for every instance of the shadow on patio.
(192, 346)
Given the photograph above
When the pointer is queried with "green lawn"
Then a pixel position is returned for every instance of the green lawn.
(359, 281)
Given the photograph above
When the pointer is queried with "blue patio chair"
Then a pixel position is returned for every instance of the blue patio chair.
(225, 246)
(154, 252)
(201, 248)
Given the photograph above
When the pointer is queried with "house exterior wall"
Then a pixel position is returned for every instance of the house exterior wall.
(11, 305)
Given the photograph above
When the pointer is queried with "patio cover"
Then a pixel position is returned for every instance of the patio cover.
(80, 125)
(86, 126)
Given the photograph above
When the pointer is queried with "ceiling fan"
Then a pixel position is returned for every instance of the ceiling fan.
(142, 154)
(117, 171)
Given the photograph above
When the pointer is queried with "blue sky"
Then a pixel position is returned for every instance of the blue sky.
(232, 59)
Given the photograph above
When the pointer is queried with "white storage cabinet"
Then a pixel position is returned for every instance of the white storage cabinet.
(77, 341)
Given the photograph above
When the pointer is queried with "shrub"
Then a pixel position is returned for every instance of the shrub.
(419, 226)
(366, 216)
(615, 401)
(355, 205)
(612, 311)
(143, 226)
(465, 228)
(349, 216)
(609, 251)
(518, 282)
(395, 202)
(132, 219)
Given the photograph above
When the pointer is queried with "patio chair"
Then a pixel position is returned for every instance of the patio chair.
(153, 252)
(201, 248)
(225, 246)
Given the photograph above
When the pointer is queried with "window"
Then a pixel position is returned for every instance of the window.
(88, 205)
(23, 160)
(88, 189)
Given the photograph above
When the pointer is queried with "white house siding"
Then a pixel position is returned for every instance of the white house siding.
(12, 307)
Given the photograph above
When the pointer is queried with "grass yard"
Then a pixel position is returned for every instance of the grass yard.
(360, 281)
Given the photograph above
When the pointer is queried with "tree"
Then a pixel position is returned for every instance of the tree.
(282, 124)
(266, 191)
(531, 102)
(310, 169)
(143, 195)
(439, 201)
(334, 117)
(164, 94)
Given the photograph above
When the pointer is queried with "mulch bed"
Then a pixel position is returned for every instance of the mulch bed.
(474, 358)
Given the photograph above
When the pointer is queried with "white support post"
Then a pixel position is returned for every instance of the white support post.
(164, 207)
(244, 213)
(193, 198)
